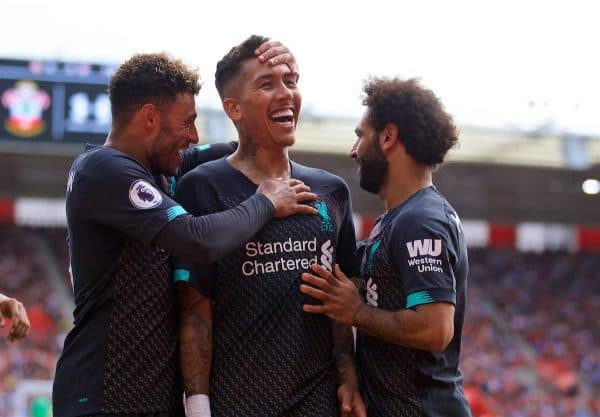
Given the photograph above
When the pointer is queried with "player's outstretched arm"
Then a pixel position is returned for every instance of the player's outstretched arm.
(205, 239)
(14, 310)
(428, 326)
(195, 348)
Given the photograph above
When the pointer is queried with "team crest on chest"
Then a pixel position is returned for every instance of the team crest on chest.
(326, 223)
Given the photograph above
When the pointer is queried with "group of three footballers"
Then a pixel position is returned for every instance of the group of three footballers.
(248, 342)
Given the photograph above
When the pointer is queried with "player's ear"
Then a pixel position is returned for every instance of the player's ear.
(388, 138)
(232, 108)
(150, 115)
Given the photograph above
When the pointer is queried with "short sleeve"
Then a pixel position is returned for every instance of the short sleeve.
(424, 252)
(192, 192)
(118, 192)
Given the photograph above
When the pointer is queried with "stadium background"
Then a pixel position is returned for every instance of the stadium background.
(532, 338)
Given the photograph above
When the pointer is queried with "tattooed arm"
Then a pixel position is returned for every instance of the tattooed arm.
(350, 400)
(195, 344)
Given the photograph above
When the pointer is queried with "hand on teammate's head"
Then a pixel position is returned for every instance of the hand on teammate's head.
(275, 53)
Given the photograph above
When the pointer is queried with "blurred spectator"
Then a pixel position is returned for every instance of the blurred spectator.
(532, 338)
(25, 277)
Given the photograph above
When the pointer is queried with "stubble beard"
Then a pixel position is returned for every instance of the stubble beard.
(374, 169)
(160, 154)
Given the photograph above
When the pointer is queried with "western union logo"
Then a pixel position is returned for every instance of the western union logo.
(424, 247)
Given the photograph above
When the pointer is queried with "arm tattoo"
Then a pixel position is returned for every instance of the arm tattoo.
(195, 350)
(343, 352)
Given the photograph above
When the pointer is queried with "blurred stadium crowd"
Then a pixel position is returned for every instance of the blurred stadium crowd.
(530, 345)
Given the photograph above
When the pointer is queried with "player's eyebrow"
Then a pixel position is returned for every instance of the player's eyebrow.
(292, 74)
(262, 77)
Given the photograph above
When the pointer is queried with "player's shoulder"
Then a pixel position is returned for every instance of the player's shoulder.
(318, 177)
(202, 154)
(202, 174)
(210, 168)
(106, 164)
(428, 216)
(427, 208)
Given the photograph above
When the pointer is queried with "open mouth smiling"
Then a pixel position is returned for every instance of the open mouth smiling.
(284, 117)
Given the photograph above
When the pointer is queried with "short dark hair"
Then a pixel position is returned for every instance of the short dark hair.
(149, 78)
(229, 66)
(424, 127)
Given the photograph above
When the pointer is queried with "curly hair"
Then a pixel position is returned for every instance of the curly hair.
(229, 66)
(149, 78)
(424, 127)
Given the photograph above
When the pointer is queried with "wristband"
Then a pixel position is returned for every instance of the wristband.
(197, 406)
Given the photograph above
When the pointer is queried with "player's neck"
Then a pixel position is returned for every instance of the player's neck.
(125, 142)
(261, 164)
(402, 182)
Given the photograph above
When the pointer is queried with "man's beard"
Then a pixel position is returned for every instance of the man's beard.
(373, 168)
(161, 152)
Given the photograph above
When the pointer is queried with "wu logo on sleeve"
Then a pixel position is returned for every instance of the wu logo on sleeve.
(425, 255)
(424, 247)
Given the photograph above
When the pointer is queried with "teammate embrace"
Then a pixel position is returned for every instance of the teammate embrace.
(250, 343)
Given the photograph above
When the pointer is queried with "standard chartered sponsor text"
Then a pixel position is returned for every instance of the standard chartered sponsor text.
(289, 246)
(268, 248)
(250, 268)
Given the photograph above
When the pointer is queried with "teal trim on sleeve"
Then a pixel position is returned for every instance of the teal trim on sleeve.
(172, 185)
(204, 147)
(175, 211)
(417, 298)
(181, 275)
(374, 249)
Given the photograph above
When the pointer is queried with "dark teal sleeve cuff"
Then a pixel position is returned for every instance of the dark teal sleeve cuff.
(181, 275)
(174, 212)
(432, 295)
